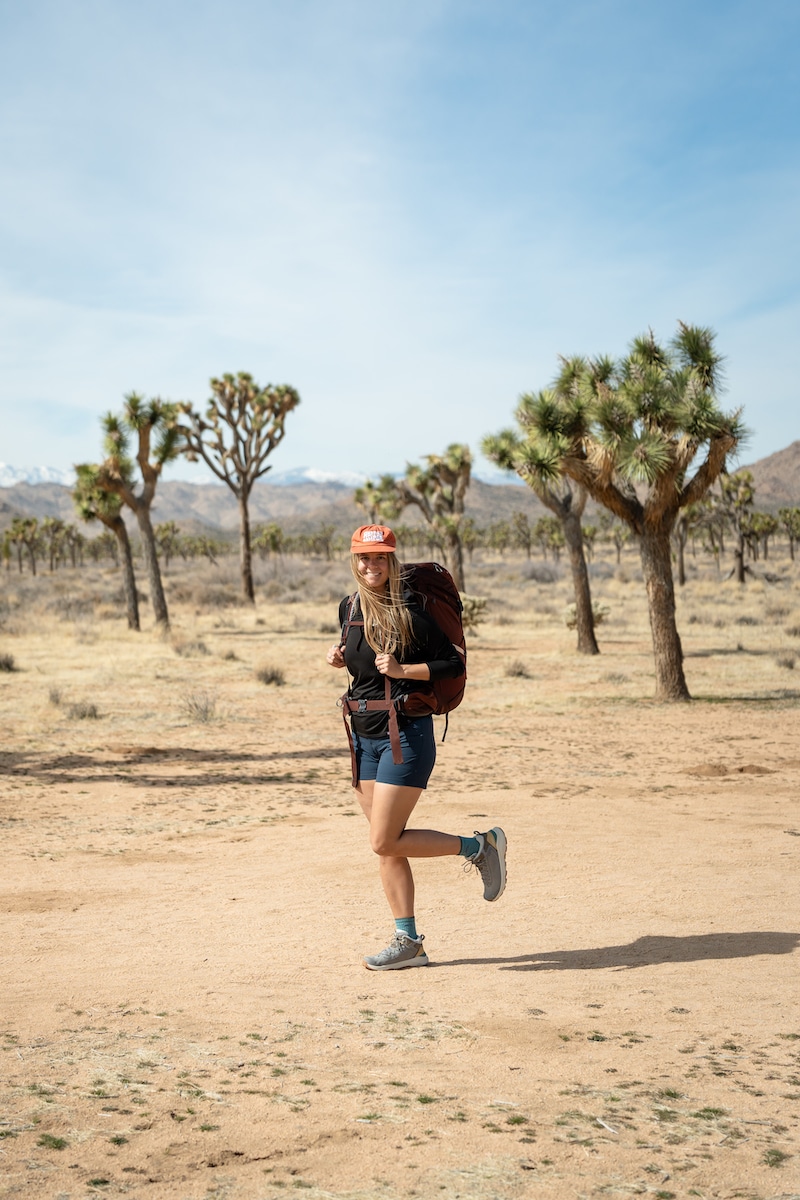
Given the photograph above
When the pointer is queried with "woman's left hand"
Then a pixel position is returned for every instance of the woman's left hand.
(387, 664)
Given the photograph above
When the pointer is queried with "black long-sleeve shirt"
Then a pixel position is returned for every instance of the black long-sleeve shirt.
(429, 645)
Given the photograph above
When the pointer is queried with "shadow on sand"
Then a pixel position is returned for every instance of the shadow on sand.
(644, 952)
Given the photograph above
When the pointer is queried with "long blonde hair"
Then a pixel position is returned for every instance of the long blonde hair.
(387, 621)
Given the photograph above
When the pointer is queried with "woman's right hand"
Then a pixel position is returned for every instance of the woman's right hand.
(335, 657)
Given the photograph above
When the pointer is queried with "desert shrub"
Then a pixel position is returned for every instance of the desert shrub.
(7, 662)
(503, 619)
(55, 696)
(71, 607)
(600, 612)
(793, 631)
(189, 649)
(601, 570)
(517, 670)
(270, 675)
(787, 661)
(206, 595)
(328, 627)
(614, 677)
(745, 620)
(199, 706)
(230, 656)
(539, 573)
(83, 711)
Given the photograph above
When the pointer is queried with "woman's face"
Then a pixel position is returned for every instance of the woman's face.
(374, 570)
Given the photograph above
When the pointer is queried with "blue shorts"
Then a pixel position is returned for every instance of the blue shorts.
(374, 756)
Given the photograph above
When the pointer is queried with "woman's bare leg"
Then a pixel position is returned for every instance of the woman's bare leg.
(388, 807)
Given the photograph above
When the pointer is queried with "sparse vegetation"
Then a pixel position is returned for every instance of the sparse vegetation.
(199, 705)
(271, 676)
(50, 1142)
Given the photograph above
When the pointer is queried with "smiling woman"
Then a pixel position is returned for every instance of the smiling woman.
(393, 649)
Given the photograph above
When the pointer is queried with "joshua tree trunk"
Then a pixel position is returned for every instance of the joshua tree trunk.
(455, 558)
(584, 615)
(128, 577)
(151, 563)
(738, 560)
(667, 650)
(245, 551)
(680, 543)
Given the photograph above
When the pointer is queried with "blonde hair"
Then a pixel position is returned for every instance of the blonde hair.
(387, 621)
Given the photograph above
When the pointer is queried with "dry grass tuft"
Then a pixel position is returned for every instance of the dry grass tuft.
(517, 670)
(270, 675)
(199, 706)
(189, 649)
(7, 662)
(83, 710)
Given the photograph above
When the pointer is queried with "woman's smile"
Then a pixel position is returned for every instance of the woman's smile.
(374, 569)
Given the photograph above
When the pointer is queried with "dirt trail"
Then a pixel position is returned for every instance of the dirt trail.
(185, 907)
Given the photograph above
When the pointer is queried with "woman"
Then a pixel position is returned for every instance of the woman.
(387, 635)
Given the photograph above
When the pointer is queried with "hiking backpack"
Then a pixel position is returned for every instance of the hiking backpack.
(435, 590)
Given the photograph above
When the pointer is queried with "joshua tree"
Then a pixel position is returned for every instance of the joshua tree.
(153, 422)
(629, 432)
(243, 424)
(522, 532)
(686, 522)
(738, 494)
(95, 502)
(521, 453)
(25, 535)
(381, 501)
(270, 540)
(790, 520)
(53, 532)
(763, 526)
(437, 490)
(168, 540)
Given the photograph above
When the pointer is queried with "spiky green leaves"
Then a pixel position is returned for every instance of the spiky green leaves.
(639, 421)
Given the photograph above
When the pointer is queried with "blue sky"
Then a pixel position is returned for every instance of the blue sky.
(405, 211)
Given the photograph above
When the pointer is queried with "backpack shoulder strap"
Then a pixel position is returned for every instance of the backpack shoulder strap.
(352, 608)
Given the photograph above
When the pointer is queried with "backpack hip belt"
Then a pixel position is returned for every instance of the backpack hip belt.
(387, 705)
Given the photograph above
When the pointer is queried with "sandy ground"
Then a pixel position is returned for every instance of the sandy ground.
(185, 904)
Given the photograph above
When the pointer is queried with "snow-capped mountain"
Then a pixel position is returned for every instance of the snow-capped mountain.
(313, 475)
(10, 475)
(296, 475)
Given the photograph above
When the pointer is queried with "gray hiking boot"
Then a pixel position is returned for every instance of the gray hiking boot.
(490, 862)
(403, 951)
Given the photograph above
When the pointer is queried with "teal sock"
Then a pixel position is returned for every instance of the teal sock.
(469, 847)
(407, 925)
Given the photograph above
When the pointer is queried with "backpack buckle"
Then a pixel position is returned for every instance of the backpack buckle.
(362, 706)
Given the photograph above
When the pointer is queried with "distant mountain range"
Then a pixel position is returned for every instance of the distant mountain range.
(305, 498)
(296, 507)
(9, 476)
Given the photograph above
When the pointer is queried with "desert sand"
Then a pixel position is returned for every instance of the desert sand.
(187, 892)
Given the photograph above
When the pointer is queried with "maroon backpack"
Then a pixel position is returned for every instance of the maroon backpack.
(436, 593)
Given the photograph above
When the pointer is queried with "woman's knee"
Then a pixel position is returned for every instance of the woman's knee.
(384, 843)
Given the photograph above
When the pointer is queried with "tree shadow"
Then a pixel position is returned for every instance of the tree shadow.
(644, 952)
(138, 765)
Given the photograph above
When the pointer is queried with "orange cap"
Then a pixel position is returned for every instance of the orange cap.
(373, 539)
